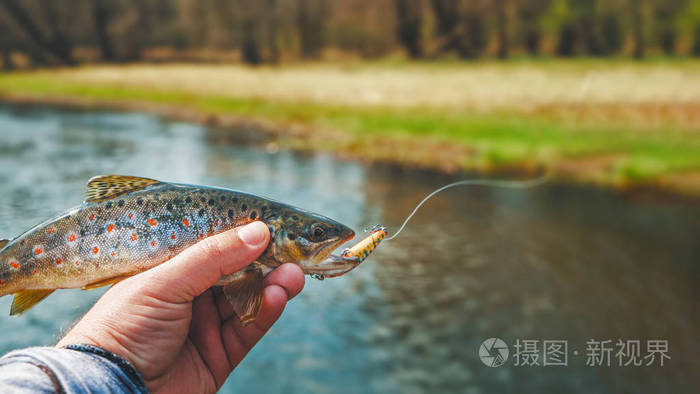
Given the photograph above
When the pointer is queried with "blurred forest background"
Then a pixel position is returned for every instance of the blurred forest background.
(70, 32)
(600, 91)
(597, 93)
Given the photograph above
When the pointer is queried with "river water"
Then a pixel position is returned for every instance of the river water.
(558, 263)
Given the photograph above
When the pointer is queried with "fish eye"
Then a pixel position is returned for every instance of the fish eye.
(318, 231)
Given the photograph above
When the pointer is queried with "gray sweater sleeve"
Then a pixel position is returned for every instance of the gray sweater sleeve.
(75, 369)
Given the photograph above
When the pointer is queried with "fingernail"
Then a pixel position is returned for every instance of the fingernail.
(253, 234)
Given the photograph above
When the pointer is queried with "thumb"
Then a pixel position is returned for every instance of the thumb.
(198, 267)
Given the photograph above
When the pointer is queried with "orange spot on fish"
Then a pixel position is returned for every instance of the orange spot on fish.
(134, 237)
(95, 250)
(51, 230)
(58, 261)
(35, 272)
(110, 228)
(201, 236)
(172, 236)
(92, 217)
(152, 222)
(187, 223)
(131, 216)
(114, 254)
(72, 237)
(37, 251)
(14, 264)
(77, 263)
(153, 243)
(216, 222)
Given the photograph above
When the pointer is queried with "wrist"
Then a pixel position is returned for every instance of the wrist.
(78, 340)
(125, 366)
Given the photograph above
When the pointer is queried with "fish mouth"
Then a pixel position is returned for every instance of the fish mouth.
(329, 245)
(332, 265)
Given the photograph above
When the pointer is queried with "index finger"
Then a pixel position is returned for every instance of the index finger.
(198, 267)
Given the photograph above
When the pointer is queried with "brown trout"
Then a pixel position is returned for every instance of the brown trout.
(127, 225)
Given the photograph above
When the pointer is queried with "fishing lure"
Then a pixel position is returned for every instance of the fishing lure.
(364, 248)
(359, 253)
(355, 255)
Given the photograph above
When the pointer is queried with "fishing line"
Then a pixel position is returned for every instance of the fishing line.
(474, 182)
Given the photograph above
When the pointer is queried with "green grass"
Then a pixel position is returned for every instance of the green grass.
(499, 138)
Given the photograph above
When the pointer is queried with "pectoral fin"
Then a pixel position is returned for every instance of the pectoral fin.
(245, 293)
(26, 299)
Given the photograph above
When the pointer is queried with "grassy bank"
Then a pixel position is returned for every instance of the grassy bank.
(615, 122)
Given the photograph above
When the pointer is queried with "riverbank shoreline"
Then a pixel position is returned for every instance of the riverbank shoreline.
(270, 137)
(654, 160)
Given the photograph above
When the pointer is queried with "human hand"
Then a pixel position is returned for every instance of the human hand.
(177, 332)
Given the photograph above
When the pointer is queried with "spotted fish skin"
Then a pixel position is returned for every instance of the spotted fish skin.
(135, 231)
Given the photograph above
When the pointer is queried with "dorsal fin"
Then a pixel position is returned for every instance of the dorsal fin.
(106, 187)
(3, 242)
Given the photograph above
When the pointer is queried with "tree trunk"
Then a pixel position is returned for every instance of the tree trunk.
(502, 28)
(58, 40)
(139, 38)
(473, 36)
(272, 30)
(36, 54)
(638, 29)
(567, 39)
(250, 47)
(665, 16)
(58, 46)
(7, 59)
(611, 34)
(447, 15)
(410, 21)
(696, 40)
(310, 22)
(6, 49)
(100, 13)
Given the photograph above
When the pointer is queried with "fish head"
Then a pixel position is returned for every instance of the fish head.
(304, 238)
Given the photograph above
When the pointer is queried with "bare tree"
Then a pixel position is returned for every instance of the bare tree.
(6, 48)
(271, 22)
(310, 22)
(638, 28)
(666, 13)
(409, 14)
(250, 46)
(47, 31)
(474, 34)
(529, 13)
(447, 19)
(502, 27)
(101, 15)
(57, 44)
